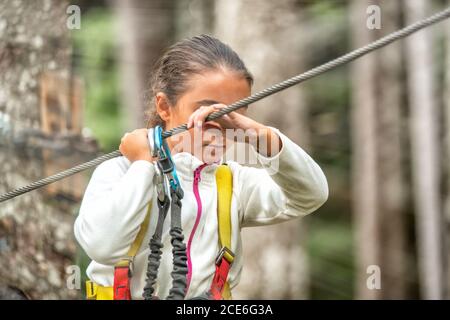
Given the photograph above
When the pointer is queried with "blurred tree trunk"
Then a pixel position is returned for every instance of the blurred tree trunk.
(446, 92)
(391, 183)
(378, 182)
(40, 123)
(271, 45)
(424, 145)
(145, 29)
(364, 154)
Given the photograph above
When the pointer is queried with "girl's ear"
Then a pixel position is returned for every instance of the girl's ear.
(163, 106)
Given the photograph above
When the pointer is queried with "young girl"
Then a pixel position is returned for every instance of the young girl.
(193, 79)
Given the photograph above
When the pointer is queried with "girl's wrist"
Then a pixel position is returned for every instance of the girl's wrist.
(144, 156)
(266, 142)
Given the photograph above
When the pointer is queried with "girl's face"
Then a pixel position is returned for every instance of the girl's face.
(211, 87)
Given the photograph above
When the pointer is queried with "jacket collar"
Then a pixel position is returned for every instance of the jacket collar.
(186, 164)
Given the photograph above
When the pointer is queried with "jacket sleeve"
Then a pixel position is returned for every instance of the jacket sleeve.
(288, 185)
(113, 208)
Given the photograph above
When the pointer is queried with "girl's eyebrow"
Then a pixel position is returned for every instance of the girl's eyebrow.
(206, 102)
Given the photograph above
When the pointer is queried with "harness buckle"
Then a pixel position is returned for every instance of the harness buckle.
(127, 262)
(130, 265)
(165, 163)
(226, 253)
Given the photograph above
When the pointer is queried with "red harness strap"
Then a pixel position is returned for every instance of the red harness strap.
(123, 270)
(223, 264)
(122, 283)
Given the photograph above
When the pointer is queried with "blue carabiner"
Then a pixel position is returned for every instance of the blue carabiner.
(165, 161)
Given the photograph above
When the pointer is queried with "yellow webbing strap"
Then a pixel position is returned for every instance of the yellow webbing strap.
(97, 292)
(224, 180)
(138, 240)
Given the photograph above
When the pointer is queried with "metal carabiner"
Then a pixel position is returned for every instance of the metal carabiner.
(151, 142)
(161, 185)
(165, 162)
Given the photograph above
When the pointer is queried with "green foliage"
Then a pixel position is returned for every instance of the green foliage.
(330, 259)
(95, 47)
(330, 130)
(326, 9)
(329, 241)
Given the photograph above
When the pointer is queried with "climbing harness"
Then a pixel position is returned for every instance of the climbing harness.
(166, 179)
(382, 42)
(220, 288)
(166, 173)
(123, 270)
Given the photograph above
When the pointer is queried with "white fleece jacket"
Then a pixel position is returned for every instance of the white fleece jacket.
(115, 201)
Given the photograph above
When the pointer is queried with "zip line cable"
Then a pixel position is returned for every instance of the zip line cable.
(382, 42)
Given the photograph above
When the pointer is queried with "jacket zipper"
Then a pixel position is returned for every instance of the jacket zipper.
(197, 178)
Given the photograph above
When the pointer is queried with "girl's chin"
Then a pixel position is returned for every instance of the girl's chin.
(213, 153)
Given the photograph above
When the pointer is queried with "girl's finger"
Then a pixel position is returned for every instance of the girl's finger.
(231, 115)
(226, 117)
(218, 106)
(189, 123)
(203, 113)
(191, 118)
(194, 117)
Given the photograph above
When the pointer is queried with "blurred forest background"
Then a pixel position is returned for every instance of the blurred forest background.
(379, 127)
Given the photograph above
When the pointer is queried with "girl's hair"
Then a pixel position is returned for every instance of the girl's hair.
(182, 60)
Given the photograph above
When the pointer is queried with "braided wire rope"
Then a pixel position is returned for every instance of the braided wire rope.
(382, 42)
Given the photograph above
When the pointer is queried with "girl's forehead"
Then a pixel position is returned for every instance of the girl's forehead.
(220, 86)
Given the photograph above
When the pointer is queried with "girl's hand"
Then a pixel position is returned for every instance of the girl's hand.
(257, 132)
(134, 146)
(232, 120)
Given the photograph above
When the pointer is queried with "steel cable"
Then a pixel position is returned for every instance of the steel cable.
(382, 42)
